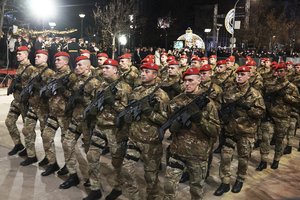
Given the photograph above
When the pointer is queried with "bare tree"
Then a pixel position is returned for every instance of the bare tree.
(113, 19)
(2, 11)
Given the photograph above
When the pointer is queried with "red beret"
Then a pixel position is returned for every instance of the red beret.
(125, 56)
(221, 62)
(80, 58)
(274, 64)
(41, 52)
(164, 54)
(243, 69)
(191, 71)
(213, 56)
(230, 59)
(289, 63)
(184, 56)
(102, 55)
(150, 56)
(170, 58)
(149, 65)
(85, 51)
(23, 48)
(280, 66)
(251, 63)
(173, 62)
(205, 67)
(297, 64)
(146, 60)
(111, 62)
(204, 58)
(196, 58)
(267, 59)
(61, 53)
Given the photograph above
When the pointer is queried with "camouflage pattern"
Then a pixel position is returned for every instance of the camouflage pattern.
(77, 125)
(191, 147)
(256, 81)
(131, 76)
(56, 119)
(163, 71)
(38, 110)
(215, 92)
(106, 132)
(16, 109)
(241, 129)
(172, 85)
(144, 143)
(224, 79)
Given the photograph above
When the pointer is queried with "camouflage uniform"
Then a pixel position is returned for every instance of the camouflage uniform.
(131, 76)
(16, 109)
(190, 148)
(172, 86)
(77, 125)
(241, 129)
(163, 72)
(144, 144)
(38, 110)
(56, 119)
(107, 132)
(287, 97)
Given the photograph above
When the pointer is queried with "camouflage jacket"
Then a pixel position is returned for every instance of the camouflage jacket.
(215, 94)
(195, 142)
(172, 86)
(26, 76)
(249, 109)
(256, 81)
(131, 76)
(224, 79)
(146, 129)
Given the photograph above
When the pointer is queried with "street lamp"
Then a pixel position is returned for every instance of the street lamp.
(81, 15)
(122, 41)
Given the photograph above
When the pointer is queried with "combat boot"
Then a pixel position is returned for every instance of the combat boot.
(73, 180)
(238, 185)
(23, 153)
(114, 194)
(287, 150)
(16, 149)
(257, 143)
(93, 195)
(63, 171)
(29, 161)
(44, 162)
(262, 165)
(50, 169)
(223, 188)
(275, 164)
(185, 177)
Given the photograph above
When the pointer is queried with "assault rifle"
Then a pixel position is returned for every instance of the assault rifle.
(134, 108)
(52, 87)
(184, 113)
(13, 86)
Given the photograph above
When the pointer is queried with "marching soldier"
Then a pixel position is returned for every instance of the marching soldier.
(163, 68)
(184, 62)
(38, 108)
(196, 62)
(255, 80)
(296, 81)
(101, 57)
(244, 107)
(114, 102)
(83, 87)
(56, 118)
(191, 145)
(131, 72)
(204, 61)
(213, 61)
(143, 142)
(23, 75)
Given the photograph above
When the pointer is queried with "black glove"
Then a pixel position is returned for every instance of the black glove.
(146, 107)
(128, 118)
(176, 126)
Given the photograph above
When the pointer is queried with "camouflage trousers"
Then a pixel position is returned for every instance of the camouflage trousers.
(29, 128)
(291, 130)
(267, 131)
(76, 127)
(117, 150)
(244, 148)
(52, 124)
(14, 113)
(197, 171)
(151, 155)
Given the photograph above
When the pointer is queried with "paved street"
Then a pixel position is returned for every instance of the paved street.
(24, 183)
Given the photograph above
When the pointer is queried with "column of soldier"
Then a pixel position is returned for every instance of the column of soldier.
(116, 105)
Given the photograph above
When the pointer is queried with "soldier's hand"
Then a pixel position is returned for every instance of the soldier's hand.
(176, 126)
(128, 118)
(109, 98)
(146, 107)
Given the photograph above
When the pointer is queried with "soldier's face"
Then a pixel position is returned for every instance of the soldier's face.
(60, 62)
(191, 83)
(268, 63)
(204, 62)
(212, 61)
(195, 63)
(148, 75)
(297, 68)
(205, 75)
(40, 59)
(242, 77)
(262, 63)
(109, 71)
(183, 61)
(21, 55)
(124, 64)
(229, 64)
(220, 68)
(163, 58)
(252, 69)
(173, 70)
(101, 60)
(82, 67)
(289, 67)
(281, 73)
